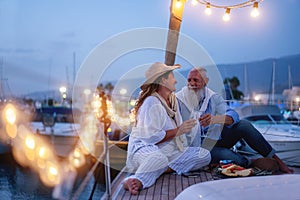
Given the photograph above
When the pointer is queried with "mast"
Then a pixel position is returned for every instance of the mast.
(1, 80)
(246, 82)
(290, 77)
(273, 83)
(174, 29)
(74, 67)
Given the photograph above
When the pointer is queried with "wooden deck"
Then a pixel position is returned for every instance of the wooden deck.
(168, 186)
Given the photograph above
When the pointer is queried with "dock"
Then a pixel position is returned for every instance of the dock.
(169, 185)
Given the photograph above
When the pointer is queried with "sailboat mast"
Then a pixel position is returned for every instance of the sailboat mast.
(273, 83)
(1, 80)
(246, 81)
(290, 77)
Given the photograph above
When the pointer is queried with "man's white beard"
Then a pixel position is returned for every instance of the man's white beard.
(195, 97)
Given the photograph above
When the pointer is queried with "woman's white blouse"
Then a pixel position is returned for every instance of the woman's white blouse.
(152, 124)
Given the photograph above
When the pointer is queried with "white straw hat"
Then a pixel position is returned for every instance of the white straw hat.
(156, 70)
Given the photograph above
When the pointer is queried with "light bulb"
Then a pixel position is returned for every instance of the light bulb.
(254, 12)
(178, 4)
(207, 9)
(226, 16)
(194, 2)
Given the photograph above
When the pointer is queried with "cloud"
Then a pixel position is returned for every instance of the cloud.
(5, 50)
(69, 35)
(25, 51)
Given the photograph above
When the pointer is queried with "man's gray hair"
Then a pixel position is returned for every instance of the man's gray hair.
(201, 70)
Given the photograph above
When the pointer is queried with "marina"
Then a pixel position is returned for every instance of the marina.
(65, 127)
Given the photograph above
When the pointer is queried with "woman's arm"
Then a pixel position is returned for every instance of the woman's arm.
(185, 127)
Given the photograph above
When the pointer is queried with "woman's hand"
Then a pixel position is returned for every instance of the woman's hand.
(208, 119)
(186, 127)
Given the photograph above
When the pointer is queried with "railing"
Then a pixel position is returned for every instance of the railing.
(90, 174)
(102, 158)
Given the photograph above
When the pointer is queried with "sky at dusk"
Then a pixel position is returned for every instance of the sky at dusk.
(42, 42)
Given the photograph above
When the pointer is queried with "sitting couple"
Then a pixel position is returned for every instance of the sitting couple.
(166, 138)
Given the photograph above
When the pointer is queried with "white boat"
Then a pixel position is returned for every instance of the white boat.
(63, 136)
(264, 187)
(281, 134)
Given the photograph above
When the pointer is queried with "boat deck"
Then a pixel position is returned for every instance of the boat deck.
(168, 186)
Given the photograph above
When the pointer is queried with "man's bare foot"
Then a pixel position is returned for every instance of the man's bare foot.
(282, 166)
(133, 185)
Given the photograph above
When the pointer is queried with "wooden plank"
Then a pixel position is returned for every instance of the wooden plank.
(150, 193)
(158, 187)
(178, 184)
(165, 184)
(172, 187)
(185, 182)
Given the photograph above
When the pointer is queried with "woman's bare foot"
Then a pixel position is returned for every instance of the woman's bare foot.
(282, 166)
(133, 185)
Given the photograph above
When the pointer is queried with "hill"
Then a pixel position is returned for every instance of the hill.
(259, 76)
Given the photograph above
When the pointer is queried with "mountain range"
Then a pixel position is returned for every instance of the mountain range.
(258, 74)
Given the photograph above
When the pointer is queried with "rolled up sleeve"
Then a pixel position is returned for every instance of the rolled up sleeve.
(221, 108)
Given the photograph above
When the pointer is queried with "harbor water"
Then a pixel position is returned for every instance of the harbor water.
(19, 183)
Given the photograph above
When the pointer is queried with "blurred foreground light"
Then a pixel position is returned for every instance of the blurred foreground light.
(77, 158)
(30, 142)
(10, 114)
(11, 130)
(50, 175)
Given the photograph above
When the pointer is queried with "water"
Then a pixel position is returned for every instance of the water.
(19, 183)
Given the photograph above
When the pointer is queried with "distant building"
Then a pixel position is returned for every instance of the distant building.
(267, 98)
(292, 98)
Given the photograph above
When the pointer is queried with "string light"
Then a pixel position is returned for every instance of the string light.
(228, 8)
(194, 2)
(226, 16)
(178, 4)
(255, 12)
(208, 9)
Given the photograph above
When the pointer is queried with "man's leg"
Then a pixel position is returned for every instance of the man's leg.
(246, 131)
(222, 153)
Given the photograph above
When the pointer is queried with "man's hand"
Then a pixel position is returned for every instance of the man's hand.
(205, 119)
(186, 127)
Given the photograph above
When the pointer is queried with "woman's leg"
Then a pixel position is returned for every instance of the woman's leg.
(191, 159)
(151, 166)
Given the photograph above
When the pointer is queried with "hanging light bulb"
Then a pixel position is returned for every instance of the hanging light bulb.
(178, 4)
(254, 12)
(226, 16)
(194, 2)
(207, 9)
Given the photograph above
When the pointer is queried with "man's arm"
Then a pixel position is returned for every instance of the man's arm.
(220, 113)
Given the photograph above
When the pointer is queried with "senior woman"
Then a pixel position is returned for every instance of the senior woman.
(157, 142)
